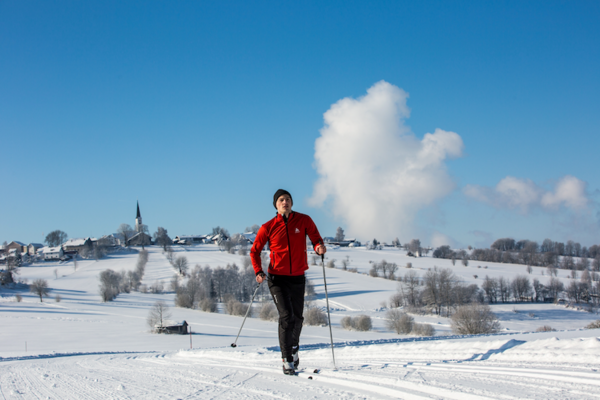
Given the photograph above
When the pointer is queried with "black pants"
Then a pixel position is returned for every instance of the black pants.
(288, 294)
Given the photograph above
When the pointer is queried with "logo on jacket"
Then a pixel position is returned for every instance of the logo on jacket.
(297, 230)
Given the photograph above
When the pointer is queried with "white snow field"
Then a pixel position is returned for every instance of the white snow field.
(81, 348)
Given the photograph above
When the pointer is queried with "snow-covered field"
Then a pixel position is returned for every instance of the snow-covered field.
(81, 348)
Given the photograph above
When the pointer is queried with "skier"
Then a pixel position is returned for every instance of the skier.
(286, 234)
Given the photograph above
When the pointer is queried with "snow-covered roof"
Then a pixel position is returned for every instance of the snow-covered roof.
(250, 236)
(75, 242)
(19, 243)
(50, 250)
(36, 245)
(185, 237)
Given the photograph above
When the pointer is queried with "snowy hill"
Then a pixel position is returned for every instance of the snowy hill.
(83, 348)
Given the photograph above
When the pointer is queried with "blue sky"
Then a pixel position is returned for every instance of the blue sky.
(202, 110)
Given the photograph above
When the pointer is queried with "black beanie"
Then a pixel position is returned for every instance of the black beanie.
(280, 193)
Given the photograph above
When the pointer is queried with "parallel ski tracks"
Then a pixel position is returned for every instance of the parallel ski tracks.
(222, 375)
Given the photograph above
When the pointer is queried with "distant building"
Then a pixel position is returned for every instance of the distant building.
(249, 236)
(190, 239)
(110, 240)
(78, 246)
(341, 243)
(20, 247)
(32, 248)
(52, 253)
(181, 328)
(218, 238)
(139, 239)
(138, 219)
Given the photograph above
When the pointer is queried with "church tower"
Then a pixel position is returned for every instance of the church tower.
(138, 219)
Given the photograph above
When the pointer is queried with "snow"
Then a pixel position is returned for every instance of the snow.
(75, 242)
(82, 348)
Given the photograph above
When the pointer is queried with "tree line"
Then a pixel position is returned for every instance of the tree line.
(570, 256)
(113, 283)
(440, 291)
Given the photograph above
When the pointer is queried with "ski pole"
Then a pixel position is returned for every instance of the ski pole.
(328, 316)
(249, 307)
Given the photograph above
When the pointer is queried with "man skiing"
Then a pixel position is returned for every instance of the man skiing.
(286, 235)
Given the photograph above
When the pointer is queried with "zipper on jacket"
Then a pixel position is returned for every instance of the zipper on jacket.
(287, 233)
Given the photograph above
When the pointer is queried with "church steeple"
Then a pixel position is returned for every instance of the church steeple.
(138, 219)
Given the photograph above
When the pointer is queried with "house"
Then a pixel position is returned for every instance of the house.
(117, 238)
(32, 248)
(139, 239)
(218, 238)
(249, 236)
(341, 243)
(78, 246)
(52, 253)
(181, 329)
(190, 239)
(21, 247)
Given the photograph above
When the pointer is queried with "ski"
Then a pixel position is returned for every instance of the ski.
(304, 371)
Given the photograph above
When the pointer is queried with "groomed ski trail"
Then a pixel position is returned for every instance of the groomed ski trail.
(224, 374)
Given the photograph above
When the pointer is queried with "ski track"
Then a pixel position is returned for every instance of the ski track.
(207, 374)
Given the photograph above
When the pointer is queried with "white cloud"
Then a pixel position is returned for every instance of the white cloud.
(376, 174)
(569, 192)
(513, 193)
(439, 239)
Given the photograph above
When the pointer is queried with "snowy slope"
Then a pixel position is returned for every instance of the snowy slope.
(82, 348)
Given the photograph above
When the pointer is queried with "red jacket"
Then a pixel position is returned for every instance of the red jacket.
(287, 242)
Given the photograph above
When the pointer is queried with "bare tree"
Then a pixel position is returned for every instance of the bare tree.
(504, 289)
(552, 270)
(268, 312)
(158, 316)
(55, 238)
(127, 231)
(13, 263)
(314, 316)
(577, 291)
(253, 229)
(361, 323)
(220, 231)
(414, 246)
(110, 284)
(505, 244)
(521, 287)
(347, 323)
(161, 238)
(410, 288)
(39, 287)
(423, 330)
(585, 277)
(339, 234)
(490, 287)
(474, 319)
(399, 322)
(439, 285)
(540, 291)
(181, 264)
(555, 287)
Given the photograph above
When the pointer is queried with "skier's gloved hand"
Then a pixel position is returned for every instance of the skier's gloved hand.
(260, 277)
(321, 249)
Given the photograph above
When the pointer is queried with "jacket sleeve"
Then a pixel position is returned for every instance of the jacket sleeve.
(259, 243)
(313, 233)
